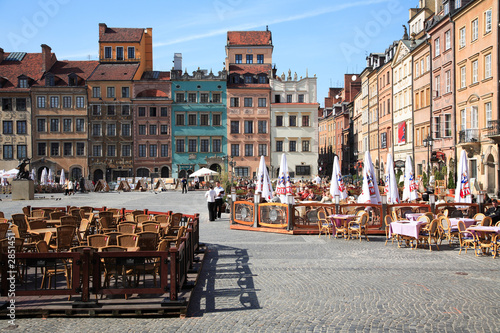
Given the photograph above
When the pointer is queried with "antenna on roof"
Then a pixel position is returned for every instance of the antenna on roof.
(267, 28)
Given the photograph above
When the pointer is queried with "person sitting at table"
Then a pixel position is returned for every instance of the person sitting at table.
(494, 212)
(304, 194)
(326, 198)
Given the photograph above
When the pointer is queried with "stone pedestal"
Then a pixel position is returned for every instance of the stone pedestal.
(23, 190)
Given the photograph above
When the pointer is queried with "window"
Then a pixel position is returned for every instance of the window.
(216, 119)
(192, 143)
(487, 66)
(54, 149)
(152, 111)
(67, 149)
(54, 125)
(216, 145)
(80, 125)
(204, 98)
(302, 170)
(292, 145)
(126, 151)
(383, 140)
(66, 102)
(260, 57)
(22, 151)
(192, 120)
(96, 92)
(248, 102)
(235, 101)
(152, 129)
(289, 98)
(179, 145)
(262, 79)
(125, 92)
(474, 123)
(49, 80)
(111, 130)
(437, 49)
(248, 126)
(96, 110)
(21, 104)
(473, 168)
(446, 8)
(249, 150)
(277, 99)
(262, 126)
(437, 127)
(131, 52)
(248, 79)
(487, 109)
(235, 126)
(153, 150)
(463, 81)
(67, 125)
(192, 97)
(142, 150)
(110, 92)
(119, 53)
(461, 37)
(21, 127)
(301, 98)
(107, 52)
(447, 38)
(447, 125)
(163, 112)
(179, 119)
(448, 81)
(438, 85)
(475, 78)
(249, 58)
(204, 119)
(458, 3)
(125, 130)
(215, 98)
(241, 172)
(417, 69)
(238, 58)
(54, 101)
(111, 110)
(97, 150)
(142, 129)
(235, 150)
(262, 102)
(279, 146)
(23, 83)
(262, 149)
(179, 98)
(40, 125)
(305, 121)
(164, 150)
(8, 152)
(142, 111)
(8, 127)
(125, 110)
(204, 145)
(474, 28)
(96, 129)
(279, 121)
(463, 119)
(487, 21)
(305, 145)
(42, 149)
(293, 121)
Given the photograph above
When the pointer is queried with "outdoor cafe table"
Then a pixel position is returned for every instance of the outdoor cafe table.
(466, 221)
(413, 216)
(406, 228)
(341, 219)
(484, 231)
(43, 231)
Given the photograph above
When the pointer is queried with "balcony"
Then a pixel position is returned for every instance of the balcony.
(493, 129)
(468, 136)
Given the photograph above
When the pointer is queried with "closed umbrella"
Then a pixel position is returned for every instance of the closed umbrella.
(263, 181)
(284, 187)
(62, 179)
(410, 185)
(50, 177)
(462, 192)
(43, 177)
(391, 185)
(370, 192)
(337, 186)
(33, 175)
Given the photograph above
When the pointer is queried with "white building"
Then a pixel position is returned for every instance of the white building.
(294, 125)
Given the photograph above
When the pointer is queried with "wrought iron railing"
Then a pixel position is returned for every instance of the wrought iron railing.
(468, 136)
(493, 128)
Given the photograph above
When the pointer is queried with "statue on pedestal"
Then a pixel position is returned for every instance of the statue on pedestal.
(23, 173)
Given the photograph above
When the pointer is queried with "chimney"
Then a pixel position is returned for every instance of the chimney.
(178, 62)
(102, 29)
(46, 57)
(1, 54)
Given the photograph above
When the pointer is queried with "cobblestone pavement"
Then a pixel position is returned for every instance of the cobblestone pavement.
(264, 282)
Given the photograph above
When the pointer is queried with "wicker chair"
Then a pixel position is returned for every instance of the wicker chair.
(147, 241)
(70, 220)
(479, 217)
(64, 238)
(151, 267)
(107, 224)
(486, 221)
(323, 224)
(466, 238)
(115, 271)
(113, 238)
(127, 240)
(141, 218)
(83, 232)
(42, 247)
(388, 221)
(4, 227)
(56, 215)
(358, 227)
(38, 213)
(127, 227)
(98, 241)
(429, 233)
(151, 226)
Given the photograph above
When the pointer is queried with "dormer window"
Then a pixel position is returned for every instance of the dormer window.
(248, 79)
(262, 79)
(49, 80)
(119, 53)
(131, 52)
(446, 8)
(22, 82)
(107, 52)
(72, 80)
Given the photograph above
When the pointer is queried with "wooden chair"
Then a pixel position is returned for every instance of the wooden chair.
(127, 240)
(54, 270)
(22, 223)
(83, 232)
(147, 241)
(323, 224)
(98, 241)
(141, 218)
(129, 217)
(175, 220)
(466, 238)
(429, 233)
(388, 220)
(161, 218)
(113, 237)
(64, 238)
(57, 215)
(127, 227)
(107, 224)
(358, 227)
(69, 220)
(151, 226)
(18, 245)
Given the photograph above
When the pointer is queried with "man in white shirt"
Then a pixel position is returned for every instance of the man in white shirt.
(210, 195)
(317, 180)
(219, 196)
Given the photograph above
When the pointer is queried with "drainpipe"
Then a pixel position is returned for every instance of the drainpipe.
(498, 85)
(430, 106)
(454, 114)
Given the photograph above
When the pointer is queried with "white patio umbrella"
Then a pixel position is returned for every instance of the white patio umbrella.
(62, 179)
(203, 172)
(370, 192)
(337, 186)
(463, 192)
(33, 175)
(410, 186)
(50, 177)
(391, 185)
(12, 173)
(284, 187)
(43, 177)
(263, 181)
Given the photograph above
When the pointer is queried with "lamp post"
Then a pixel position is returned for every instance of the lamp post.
(428, 143)
(230, 163)
(480, 201)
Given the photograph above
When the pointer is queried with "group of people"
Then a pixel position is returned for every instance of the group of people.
(215, 201)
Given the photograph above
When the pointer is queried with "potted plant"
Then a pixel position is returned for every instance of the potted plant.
(451, 183)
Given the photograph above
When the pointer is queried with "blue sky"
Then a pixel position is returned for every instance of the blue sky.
(327, 38)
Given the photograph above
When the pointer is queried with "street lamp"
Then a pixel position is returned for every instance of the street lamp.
(231, 163)
(428, 143)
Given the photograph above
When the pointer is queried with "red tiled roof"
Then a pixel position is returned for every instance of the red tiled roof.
(114, 72)
(83, 69)
(121, 35)
(249, 38)
(248, 85)
(31, 65)
(164, 76)
(249, 68)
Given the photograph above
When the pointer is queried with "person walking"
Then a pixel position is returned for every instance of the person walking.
(219, 199)
(184, 185)
(210, 195)
(71, 186)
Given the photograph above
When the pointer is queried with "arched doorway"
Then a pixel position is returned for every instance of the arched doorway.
(490, 165)
(182, 174)
(215, 167)
(189, 172)
(76, 173)
(165, 172)
(98, 175)
(143, 172)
